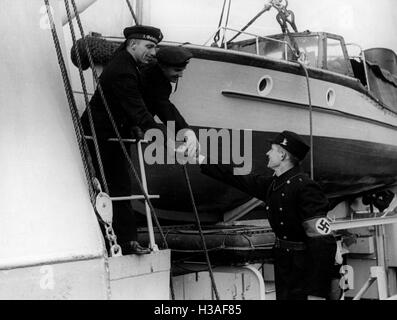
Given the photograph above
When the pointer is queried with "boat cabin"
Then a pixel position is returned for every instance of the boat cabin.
(321, 50)
(375, 68)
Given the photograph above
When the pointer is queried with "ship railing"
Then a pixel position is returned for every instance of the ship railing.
(361, 56)
(139, 143)
(256, 36)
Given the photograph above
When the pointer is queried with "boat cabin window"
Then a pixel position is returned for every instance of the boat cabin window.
(336, 61)
(265, 47)
(273, 49)
(321, 50)
(309, 45)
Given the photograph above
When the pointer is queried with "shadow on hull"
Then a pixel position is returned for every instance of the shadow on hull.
(342, 167)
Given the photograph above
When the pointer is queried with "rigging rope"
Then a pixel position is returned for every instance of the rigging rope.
(227, 22)
(87, 103)
(214, 288)
(114, 125)
(132, 12)
(82, 144)
(247, 25)
(216, 36)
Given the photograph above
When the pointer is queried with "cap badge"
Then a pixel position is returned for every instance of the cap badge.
(284, 143)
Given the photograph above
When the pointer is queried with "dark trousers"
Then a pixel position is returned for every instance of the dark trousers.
(299, 274)
(290, 274)
(120, 183)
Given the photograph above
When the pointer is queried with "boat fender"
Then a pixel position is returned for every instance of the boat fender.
(100, 49)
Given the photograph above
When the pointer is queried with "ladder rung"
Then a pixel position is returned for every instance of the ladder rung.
(134, 197)
(124, 140)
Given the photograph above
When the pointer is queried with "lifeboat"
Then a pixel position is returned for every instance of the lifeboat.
(259, 85)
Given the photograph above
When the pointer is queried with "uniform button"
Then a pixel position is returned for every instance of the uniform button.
(287, 250)
(281, 209)
(288, 182)
(267, 208)
(281, 223)
(285, 237)
(283, 194)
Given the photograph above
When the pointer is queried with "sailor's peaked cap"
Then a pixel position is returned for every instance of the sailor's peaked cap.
(143, 32)
(293, 143)
(174, 56)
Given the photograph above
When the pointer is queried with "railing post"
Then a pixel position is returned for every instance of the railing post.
(380, 273)
(152, 242)
(365, 69)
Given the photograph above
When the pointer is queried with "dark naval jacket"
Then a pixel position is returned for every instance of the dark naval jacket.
(296, 208)
(156, 93)
(122, 85)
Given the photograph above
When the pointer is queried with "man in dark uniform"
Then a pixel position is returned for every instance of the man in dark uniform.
(157, 88)
(122, 86)
(304, 251)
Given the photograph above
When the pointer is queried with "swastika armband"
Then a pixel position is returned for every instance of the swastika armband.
(317, 227)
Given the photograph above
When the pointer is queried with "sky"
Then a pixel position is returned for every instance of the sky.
(369, 23)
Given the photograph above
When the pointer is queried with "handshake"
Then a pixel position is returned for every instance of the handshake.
(189, 151)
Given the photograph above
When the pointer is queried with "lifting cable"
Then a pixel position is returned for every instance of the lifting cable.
(302, 64)
(114, 125)
(201, 232)
(132, 12)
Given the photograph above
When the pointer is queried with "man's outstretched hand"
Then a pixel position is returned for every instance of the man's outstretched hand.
(191, 147)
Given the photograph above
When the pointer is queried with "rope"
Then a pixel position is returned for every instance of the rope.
(132, 12)
(310, 119)
(114, 125)
(216, 36)
(201, 232)
(247, 25)
(83, 147)
(87, 103)
(227, 22)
